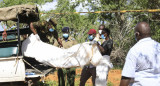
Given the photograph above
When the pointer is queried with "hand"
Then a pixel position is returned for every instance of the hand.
(60, 42)
(93, 42)
(97, 37)
(33, 29)
(37, 37)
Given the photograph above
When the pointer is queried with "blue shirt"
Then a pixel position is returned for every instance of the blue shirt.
(143, 63)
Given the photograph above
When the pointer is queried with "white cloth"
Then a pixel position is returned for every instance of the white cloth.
(77, 55)
(143, 63)
(102, 71)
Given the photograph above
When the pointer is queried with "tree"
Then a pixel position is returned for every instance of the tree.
(6, 3)
(120, 24)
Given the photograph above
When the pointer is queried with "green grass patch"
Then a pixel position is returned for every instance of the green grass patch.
(47, 83)
(109, 83)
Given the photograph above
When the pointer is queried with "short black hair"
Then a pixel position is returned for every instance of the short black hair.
(106, 30)
(102, 25)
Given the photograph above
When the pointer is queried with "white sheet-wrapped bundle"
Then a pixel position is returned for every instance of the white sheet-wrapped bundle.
(102, 70)
(78, 55)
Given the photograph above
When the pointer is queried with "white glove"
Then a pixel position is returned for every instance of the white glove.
(97, 38)
(37, 37)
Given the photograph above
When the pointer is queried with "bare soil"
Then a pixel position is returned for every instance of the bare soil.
(114, 77)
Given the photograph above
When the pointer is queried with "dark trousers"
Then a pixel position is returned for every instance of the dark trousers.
(86, 74)
(70, 73)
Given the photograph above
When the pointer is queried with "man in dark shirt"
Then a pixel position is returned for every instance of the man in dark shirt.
(105, 48)
(107, 45)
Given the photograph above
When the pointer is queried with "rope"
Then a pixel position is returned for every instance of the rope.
(32, 66)
(16, 61)
(26, 63)
(93, 45)
(43, 77)
(75, 54)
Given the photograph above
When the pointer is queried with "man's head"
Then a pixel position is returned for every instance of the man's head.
(101, 27)
(105, 33)
(142, 30)
(91, 34)
(65, 32)
(51, 24)
(50, 28)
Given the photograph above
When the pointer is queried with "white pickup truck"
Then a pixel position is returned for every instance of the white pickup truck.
(17, 68)
(14, 67)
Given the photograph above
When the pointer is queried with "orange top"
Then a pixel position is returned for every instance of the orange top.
(4, 34)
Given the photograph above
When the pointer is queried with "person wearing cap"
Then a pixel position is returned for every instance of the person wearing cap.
(46, 31)
(91, 34)
(89, 70)
(66, 76)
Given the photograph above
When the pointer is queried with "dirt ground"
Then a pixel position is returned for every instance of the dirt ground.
(113, 77)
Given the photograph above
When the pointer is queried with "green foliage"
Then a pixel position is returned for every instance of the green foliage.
(6, 3)
(120, 24)
(47, 83)
(79, 24)
(109, 84)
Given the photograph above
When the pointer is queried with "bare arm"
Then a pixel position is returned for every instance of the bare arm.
(100, 48)
(60, 42)
(125, 81)
(33, 29)
(57, 38)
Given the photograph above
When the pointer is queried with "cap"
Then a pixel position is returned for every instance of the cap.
(65, 30)
(92, 31)
(53, 21)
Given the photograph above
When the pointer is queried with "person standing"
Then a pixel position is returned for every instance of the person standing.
(107, 45)
(46, 31)
(105, 49)
(89, 70)
(66, 76)
(100, 29)
(143, 60)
